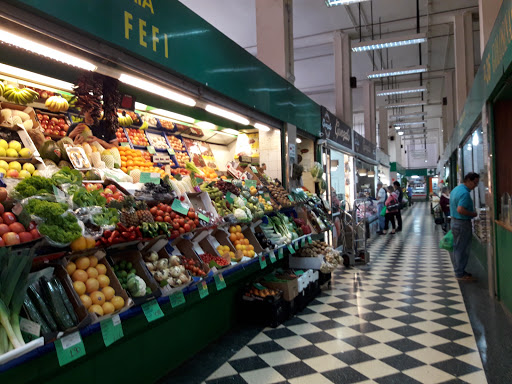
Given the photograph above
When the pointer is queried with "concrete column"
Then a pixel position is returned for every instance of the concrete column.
(369, 111)
(487, 16)
(449, 116)
(342, 72)
(464, 61)
(383, 130)
(274, 34)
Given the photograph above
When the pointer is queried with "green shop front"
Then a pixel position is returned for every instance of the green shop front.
(162, 43)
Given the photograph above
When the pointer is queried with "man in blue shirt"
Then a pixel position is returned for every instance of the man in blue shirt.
(461, 212)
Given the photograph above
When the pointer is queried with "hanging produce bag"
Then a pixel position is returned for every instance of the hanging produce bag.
(447, 242)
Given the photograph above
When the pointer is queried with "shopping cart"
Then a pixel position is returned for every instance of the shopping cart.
(438, 214)
(356, 251)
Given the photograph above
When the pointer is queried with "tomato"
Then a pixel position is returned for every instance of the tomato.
(181, 222)
(173, 215)
(191, 214)
(153, 210)
(167, 219)
(175, 233)
(182, 230)
(168, 209)
(186, 227)
(159, 218)
(160, 212)
(196, 222)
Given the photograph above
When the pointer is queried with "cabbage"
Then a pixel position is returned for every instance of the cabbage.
(317, 171)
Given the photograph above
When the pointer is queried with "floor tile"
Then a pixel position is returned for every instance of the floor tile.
(353, 357)
(307, 352)
(324, 363)
(279, 358)
(402, 362)
(428, 375)
(303, 329)
(472, 358)
(384, 336)
(279, 333)
(225, 370)
(453, 349)
(388, 323)
(289, 371)
(345, 375)
(265, 347)
(380, 351)
(374, 369)
(235, 379)
(259, 339)
(248, 364)
(292, 342)
(429, 355)
(405, 345)
(397, 378)
(265, 375)
(315, 378)
(243, 353)
(318, 337)
(456, 367)
(428, 339)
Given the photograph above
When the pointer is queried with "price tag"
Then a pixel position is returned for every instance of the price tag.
(29, 329)
(290, 248)
(148, 177)
(303, 242)
(250, 183)
(199, 180)
(177, 299)
(259, 286)
(112, 330)
(203, 217)
(272, 257)
(266, 196)
(151, 150)
(220, 283)
(291, 198)
(69, 348)
(125, 144)
(254, 169)
(171, 152)
(203, 289)
(152, 310)
(229, 198)
(296, 245)
(280, 253)
(17, 208)
(263, 262)
(177, 206)
(299, 272)
(309, 240)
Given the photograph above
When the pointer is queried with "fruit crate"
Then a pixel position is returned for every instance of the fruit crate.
(151, 135)
(165, 125)
(43, 116)
(133, 145)
(177, 151)
(260, 312)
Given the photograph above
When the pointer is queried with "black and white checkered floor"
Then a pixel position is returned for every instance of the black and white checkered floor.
(400, 319)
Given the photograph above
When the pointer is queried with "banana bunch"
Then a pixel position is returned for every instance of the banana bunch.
(2, 88)
(124, 121)
(144, 126)
(71, 99)
(56, 104)
(19, 96)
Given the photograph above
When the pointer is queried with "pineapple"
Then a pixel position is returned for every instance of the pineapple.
(143, 213)
(128, 215)
(135, 174)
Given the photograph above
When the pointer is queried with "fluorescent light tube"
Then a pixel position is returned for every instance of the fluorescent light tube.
(231, 131)
(406, 105)
(389, 43)
(408, 123)
(172, 115)
(140, 106)
(156, 89)
(332, 3)
(418, 114)
(35, 77)
(261, 127)
(398, 91)
(45, 50)
(227, 114)
(397, 72)
(397, 127)
(298, 141)
(206, 125)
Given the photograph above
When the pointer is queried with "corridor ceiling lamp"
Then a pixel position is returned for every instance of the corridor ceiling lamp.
(156, 89)
(298, 141)
(206, 125)
(408, 123)
(406, 105)
(140, 106)
(401, 133)
(389, 43)
(227, 114)
(172, 115)
(45, 50)
(417, 114)
(261, 127)
(475, 139)
(400, 91)
(397, 72)
(397, 127)
(19, 73)
(362, 172)
(371, 173)
(332, 3)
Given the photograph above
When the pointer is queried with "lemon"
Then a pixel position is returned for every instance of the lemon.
(25, 153)
(4, 171)
(29, 167)
(15, 165)
(35, 173)
(4, 164)
(3, 144)
(15, 145)
(24, 174)
(12, 153)
(3, 152)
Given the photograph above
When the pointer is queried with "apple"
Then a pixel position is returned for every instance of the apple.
(112, 188)
(35, 233)
(39, 117)
(3, 194)
(8, 218)
(117, 195)
(61, 121)
(25, 236)
(12, 173)
(17, 227)
(11, 238)
(4, 228)
(108, 191)
(2, 210)
(31, 226)
(109, 199)
(62, 133)
(2, 243)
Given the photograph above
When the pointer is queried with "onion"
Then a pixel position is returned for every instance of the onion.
(153, 256)
(162, 264)
(174, 261)
(175, 271)
(183, 278)
(150, 266)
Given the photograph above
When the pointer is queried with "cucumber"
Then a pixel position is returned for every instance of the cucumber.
(35, 316)
(42, 307)
(56, 283)
(57, 307)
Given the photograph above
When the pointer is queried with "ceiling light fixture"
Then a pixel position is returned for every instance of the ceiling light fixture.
(172, 115)
(45, 50)
(406, 105)
(298, 141)
(401, 133)
(397, 72)
(362, 172)
(398, 91)
(156, 89)
(418, 114)
(35, 77)
(389, 43)
(206, 125)
(140, 106)
(333, 3)
(227, 114)
(408, 123)
(231, 131)
(261, 127)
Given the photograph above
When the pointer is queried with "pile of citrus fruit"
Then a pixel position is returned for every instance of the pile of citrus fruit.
(92, 284)
(240, 242)
(134, 159)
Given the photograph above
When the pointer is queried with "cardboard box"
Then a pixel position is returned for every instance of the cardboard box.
(185, 248)
(28, 110)
(27, 142)
(305, 262)
(287, 284)
(203, 201)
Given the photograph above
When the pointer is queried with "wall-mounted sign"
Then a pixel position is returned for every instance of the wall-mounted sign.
(336, 130)
(364, 147)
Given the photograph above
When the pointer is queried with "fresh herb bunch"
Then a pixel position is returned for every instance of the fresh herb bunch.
(45, 209)
(84, 198)
(67, 176)
(36, 185)
(62, 229)
(108, 216)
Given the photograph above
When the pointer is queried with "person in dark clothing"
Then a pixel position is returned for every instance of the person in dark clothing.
(445, 206)
(400, 197)
(100, 133)
(391, 209)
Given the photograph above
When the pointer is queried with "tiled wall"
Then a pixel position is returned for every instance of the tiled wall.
(270, 152)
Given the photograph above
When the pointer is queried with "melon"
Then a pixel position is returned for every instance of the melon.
(51, 151)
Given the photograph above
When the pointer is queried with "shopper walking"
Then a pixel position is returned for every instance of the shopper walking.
(462, 211)
(444, 201)
(400, 196)
(392, 208)
(409, 194)
(381, 201)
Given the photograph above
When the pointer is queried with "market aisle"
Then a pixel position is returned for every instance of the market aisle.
(400, 319)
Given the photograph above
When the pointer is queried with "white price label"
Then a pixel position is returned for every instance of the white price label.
(116, 320)
(30, 327)
(71, 340)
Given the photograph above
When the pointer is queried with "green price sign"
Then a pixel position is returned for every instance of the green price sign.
(272, 257)
(263, 261)
(69, 348)
(290, 248)
(296, 245)
(303, 243)
(152, 310)
(125, 144)
(280, 253)
(250, 183)
(177, 206)
(254, 169)
(291, 198)
(203, 217)
(151, 150)
(230, 198)
(299, 272)
(177, 299)
(310, 241)
(112, 330)
(170, 151)
(203, 289)
(148, 177)
(220, 283)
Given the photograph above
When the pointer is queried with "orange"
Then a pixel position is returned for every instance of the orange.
(71, 267)
(79, 287)
(92, 272)
(109, 293)
(129, 162)
(93, 261)
(103, 280)
(86, 301)
(102, 270)
(96, 309)
(83, 263)
(118, 302)
(124, 169)
(108, 308)
(246, 241)
(80, 275)
(240, 235)
(92, 285)
(233, 237)
(238, 228)
(91, 243)
(97, 297)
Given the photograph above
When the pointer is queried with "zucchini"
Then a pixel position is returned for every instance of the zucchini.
(57, 307)
(42, 307)
(56, 283)
(35, 316)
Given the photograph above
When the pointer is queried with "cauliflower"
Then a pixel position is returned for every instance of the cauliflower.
(136, 286)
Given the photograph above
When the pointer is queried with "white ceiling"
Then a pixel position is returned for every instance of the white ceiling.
(314, 23)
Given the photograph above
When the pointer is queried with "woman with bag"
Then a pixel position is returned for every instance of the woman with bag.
(392, 209)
